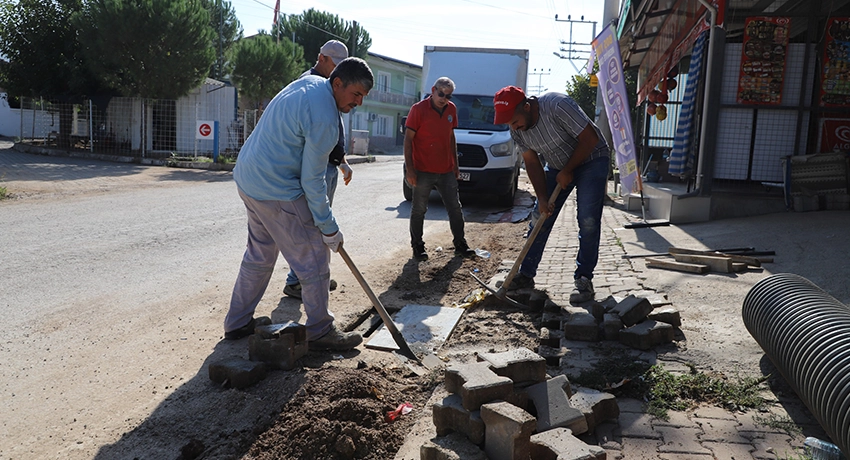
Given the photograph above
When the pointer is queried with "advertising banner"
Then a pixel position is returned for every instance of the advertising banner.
(612, 84)
(763, 60)
(835, 87)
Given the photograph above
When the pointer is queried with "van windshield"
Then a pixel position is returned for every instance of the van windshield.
(476, 112)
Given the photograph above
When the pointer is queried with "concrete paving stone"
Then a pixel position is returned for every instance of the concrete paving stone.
(675, 419)
(450, 416)
(560, 444)
(681, 441)
(553, 355)
(596, 406)
(607, 435)
(477, 384)
(637, 448)
(551, 320)
(581, 326)
(572, 366)
(676, 456)
(452, 447)
(632, 310)
(637, 425)
(631, 405)
(278, 352)
(714, 412)
(667, 315)
(508, 431)
(646, 334)
(518, 364)
(720, 430)
(611, 326)
(237, 372)
(775, 446)
(611, 454)
(730, 451)
(551, 337)
(751, 427)
(551, 400)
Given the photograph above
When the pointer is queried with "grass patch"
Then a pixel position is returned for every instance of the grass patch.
(777, 422)
(620, 373)
(3, 193)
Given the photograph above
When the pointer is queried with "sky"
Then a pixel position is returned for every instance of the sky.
(401, 29)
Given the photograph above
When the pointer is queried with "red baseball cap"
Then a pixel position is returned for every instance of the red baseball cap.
(505, 102)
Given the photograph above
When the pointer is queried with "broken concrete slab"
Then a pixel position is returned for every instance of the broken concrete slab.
(428, 327)
(647, 334)
(476, 383)
(449, 416)
(596, 406)
(508, 431)
(237, 372)
(551, 400)
(560, 444)
(519, 365)
(632, 310)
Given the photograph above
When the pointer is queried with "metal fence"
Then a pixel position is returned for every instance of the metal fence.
(136, 127)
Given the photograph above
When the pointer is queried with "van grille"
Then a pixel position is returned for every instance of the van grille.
(471, 156)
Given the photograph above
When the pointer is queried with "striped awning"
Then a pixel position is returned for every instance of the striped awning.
(682, 157)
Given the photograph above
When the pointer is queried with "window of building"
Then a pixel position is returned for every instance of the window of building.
(383, 126)
(409, 87)
(383, 83)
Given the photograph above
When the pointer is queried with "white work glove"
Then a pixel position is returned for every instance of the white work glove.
(346, 172)
(333, 241)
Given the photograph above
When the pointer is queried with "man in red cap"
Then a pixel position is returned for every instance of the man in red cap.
(576, 157)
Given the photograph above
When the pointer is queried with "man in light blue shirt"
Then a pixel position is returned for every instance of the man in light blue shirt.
(280, 174)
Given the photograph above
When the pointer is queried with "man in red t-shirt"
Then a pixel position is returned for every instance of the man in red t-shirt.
(430, 156)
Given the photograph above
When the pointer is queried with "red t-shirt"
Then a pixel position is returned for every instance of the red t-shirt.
(432, 145)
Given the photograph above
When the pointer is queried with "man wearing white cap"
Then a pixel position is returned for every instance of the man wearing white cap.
(331, 54)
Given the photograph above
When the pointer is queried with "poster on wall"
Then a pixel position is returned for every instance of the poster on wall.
(763, 60)
(835, 86)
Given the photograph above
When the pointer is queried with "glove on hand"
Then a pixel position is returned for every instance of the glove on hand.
(333, 241)
(346, 172)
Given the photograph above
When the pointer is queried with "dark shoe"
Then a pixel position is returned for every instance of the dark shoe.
(583, 291)
(337, 340)
(333, 285)
(293, 290)
(247, 329)
(419, 252)
(521, 281)
(462, 249)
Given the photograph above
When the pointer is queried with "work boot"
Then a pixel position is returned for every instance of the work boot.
(293, 290)
(247, 329)
(336, 340)
(462, 249)
(520, 281)
(419, 252)
(583, 291)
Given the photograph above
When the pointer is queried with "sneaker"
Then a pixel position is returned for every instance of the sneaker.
(462, 249)
(293, 290)
(247, 329)
(583, 291)
(419, 252)
(335, 339)
(521, 281)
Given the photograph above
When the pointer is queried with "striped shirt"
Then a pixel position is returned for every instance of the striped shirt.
(555, 136)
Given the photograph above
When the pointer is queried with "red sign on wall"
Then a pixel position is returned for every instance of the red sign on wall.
(763, 60)
(835, 86)
(835, 135)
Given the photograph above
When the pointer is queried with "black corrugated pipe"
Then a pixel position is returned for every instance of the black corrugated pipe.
(806, 334)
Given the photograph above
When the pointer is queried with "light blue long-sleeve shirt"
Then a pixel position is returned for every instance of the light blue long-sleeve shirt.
(287, 153)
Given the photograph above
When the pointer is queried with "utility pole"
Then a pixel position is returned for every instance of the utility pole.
(575, 51)
(539, 89)
(352, 40)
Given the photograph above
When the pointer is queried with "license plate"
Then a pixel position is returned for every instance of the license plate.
(464, 176)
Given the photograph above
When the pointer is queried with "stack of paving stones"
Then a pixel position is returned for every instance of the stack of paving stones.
(506, 405)
(273, 346)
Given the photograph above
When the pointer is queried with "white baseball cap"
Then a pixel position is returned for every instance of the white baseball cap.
(335, 50)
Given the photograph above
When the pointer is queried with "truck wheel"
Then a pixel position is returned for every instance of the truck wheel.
(407, 190)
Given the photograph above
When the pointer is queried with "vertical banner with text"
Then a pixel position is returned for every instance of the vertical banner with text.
(612, 83)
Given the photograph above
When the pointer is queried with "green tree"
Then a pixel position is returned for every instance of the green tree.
(313, 28)
(44, 57)
(147, 48)
(585, 95)
(226, 31)
(262, 66)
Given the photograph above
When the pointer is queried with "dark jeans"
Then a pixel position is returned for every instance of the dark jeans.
(446, 185)
(590, 181)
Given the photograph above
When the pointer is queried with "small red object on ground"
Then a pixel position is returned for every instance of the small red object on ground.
(402, 409)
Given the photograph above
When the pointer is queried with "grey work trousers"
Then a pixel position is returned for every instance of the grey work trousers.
(284, 227)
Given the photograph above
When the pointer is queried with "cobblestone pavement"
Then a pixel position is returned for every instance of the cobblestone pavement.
(703, 433)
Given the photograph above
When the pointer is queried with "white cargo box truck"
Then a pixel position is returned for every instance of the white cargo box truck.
(489, 160)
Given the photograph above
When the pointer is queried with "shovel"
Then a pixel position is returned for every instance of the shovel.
(502, 292)
(430, 360)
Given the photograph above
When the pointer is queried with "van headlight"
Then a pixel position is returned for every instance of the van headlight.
(501, 150)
